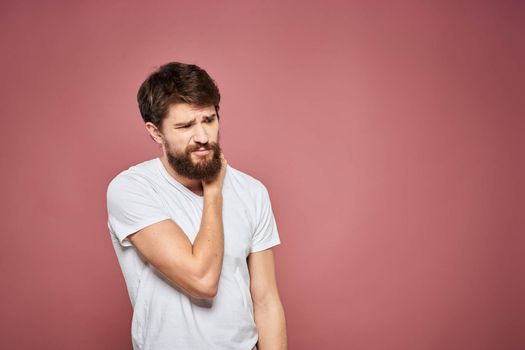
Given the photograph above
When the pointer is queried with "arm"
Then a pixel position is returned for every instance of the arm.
(194, 268)
(268, 310)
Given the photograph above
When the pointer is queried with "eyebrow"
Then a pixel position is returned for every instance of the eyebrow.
(193, 120)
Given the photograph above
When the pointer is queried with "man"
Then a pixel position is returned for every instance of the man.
(193, 235)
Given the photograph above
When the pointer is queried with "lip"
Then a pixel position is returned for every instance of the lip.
(201, 153)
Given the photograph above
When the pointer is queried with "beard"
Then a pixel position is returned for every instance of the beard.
(203, 169)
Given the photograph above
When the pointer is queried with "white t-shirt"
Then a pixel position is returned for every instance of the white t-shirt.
(164, 317)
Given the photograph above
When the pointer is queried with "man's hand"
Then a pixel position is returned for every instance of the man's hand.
(213, 186)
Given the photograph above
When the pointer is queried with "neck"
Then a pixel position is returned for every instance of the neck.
(194, 186)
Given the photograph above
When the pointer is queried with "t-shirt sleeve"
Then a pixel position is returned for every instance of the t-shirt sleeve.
(132, 205)
(266, 234)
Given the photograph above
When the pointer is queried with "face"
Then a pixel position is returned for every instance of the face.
(191, 141)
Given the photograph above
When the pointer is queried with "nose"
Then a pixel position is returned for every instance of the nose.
(200, 136)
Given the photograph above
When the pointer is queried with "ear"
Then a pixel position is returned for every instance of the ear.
(154, 133)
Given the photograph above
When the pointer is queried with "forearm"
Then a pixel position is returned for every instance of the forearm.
(271, 325)
(208, 247)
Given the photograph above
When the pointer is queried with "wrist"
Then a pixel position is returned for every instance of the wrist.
(212, 193)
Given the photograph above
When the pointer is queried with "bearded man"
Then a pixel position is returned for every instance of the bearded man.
(192, 234)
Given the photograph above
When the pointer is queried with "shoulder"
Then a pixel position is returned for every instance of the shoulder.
(247, 186)
(245, 181)
(135, 178)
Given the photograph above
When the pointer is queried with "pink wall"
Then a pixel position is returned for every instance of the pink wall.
(389, 135)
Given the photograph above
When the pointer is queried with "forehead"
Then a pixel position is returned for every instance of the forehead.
(184, 112)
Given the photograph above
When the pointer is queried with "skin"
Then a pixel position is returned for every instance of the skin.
(196, 268)
(268, 309)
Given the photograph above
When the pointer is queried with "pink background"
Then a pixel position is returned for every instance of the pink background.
(390, 137)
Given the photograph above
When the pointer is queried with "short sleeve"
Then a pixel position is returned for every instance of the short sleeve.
(266, 234)
(132, 205)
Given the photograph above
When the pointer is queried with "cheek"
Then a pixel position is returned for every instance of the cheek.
(214, 134)
(175, 145)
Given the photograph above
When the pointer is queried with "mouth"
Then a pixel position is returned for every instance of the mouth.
(201, 152)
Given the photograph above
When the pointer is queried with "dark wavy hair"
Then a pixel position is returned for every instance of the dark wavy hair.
(173, 83)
